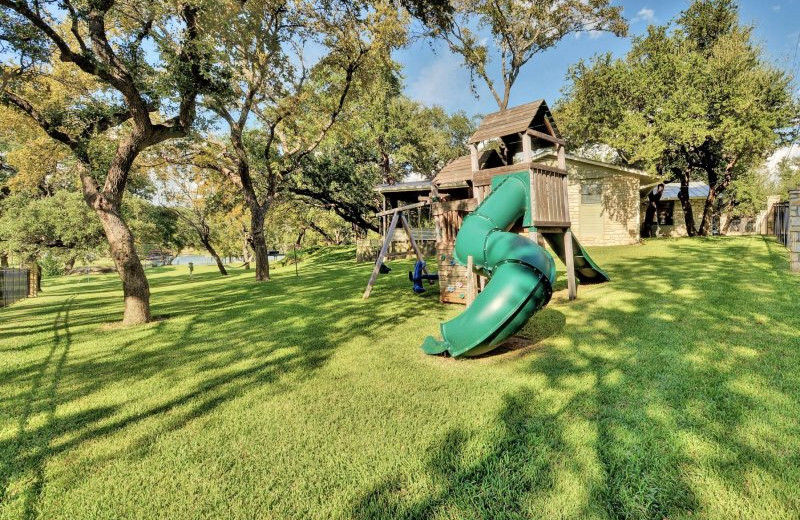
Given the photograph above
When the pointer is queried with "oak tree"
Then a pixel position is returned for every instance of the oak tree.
(692, 100)
(281, 104)
(519, 31)
(142, 64)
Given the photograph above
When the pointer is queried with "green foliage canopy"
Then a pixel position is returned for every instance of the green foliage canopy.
(692, 99)
(520, 31)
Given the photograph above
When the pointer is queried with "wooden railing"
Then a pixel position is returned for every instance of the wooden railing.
(484, 177)
(549, 197)
(420, 235)
(449, 216)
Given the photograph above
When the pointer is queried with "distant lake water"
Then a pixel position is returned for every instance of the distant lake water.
(184, 259)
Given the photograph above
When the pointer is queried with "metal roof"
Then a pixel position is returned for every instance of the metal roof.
(424, 185)
(697, 190)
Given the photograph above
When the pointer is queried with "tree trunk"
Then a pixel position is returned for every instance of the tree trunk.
(715, 187)
(258, 242)
(3, 259)
(708, 212)
(649, 216)
(135, 288)
(246, 250)
(106, 204)
(69, 264)
(213, 253)
(686, 205)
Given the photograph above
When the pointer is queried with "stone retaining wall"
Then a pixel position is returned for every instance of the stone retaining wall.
(794, 229)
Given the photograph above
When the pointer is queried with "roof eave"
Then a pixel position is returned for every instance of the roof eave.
(635, 172)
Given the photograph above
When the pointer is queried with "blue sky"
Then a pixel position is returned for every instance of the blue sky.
(433, 75)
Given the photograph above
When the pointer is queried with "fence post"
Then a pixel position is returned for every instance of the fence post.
(768, 222)
(32, 280)
(793, 240)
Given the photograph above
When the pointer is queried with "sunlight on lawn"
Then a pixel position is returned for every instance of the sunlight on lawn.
(671, 391)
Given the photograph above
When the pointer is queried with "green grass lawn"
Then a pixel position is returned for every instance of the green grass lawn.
(671, 392)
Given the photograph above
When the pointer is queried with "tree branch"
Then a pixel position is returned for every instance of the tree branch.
(352, 67)
(49, 128)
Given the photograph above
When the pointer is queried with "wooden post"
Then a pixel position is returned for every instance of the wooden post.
(527, 148)
(470, 281)
(532, 179)
(383, 218)
(411, 239)
(381, 255)
(570, 258)
(565, 194)
(473, 152)
(793, 228)
(533, 235)
(561, 157)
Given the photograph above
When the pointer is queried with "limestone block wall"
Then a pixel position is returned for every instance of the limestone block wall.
(794, 230)
(618, 220)
(678, 229)
(762, 223)
(769, 219)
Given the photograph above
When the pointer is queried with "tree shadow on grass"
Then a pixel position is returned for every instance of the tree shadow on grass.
(41, 399)
(230, 337)
(687, 377)
(682, 364)
(496, 484)
(678, 362)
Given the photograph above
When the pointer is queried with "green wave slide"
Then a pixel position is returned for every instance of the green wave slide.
(521, 273)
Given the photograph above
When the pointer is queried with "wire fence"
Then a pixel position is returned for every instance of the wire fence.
(781, 220)
(14, 285)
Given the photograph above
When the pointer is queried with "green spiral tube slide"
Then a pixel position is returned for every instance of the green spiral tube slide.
(521, 274)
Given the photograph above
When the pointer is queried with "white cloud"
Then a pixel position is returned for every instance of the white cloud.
(781, 153)
(594, 34)
(776, 8)
(645, 15)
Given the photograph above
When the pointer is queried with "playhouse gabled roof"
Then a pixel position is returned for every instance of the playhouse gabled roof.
(460, 170)
(512, 121)
(457, 170)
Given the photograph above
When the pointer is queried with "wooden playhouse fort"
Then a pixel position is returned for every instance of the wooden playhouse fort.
(503, 145)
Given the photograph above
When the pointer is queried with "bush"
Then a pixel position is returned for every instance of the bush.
(51, 265)
(290, 257)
